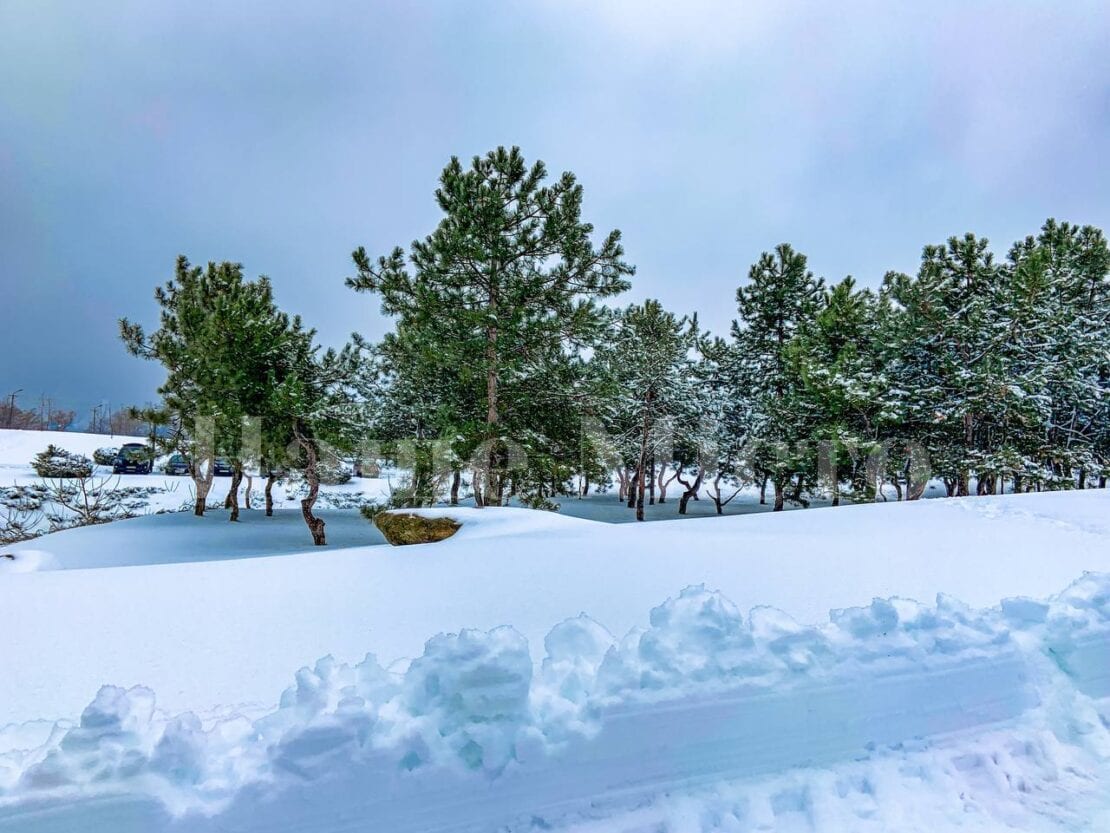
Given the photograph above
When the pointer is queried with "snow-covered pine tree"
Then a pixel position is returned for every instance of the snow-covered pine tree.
(1060, 286)
(839, 359)
(648, 358)
(513, 265)
(781, 298)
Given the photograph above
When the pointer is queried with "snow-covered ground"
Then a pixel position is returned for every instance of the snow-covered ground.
(170, 494)
(765, 672)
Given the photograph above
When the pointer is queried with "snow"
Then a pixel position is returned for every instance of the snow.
(208, 635)
(19, 447)
(27, 561)
(933, 665)
(173, 494)
(181, 537)
(893, 703)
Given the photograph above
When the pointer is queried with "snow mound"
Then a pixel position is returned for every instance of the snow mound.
(18, 447)
(27, 561)
(703, 692)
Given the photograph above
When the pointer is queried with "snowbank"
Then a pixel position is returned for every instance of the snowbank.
(470, 736)
(27, 561)
(19, 447)
(68, 631)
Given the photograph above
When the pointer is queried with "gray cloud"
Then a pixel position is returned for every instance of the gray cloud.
(282, 136)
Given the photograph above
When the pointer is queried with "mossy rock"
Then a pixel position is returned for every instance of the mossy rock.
(400, 528)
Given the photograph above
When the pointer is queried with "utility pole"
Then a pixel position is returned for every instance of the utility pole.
(11, 407)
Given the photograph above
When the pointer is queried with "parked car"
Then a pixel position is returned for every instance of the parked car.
(178, 464)
(133, 458)
(221, 467)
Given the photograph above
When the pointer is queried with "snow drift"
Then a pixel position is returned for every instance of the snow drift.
(473, 736)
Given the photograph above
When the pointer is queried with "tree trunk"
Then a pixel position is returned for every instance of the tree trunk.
(492, 417)
(632, 490)
(780, 495)
(312, 477)
(270, 494)
(247, 492)
(963, 484)
(203, 484)
(456, 480)
(477, 484)
(763, 491)
(664, 482)
(1083, 478)
(233, 493)
(716, 495)
(691, 491)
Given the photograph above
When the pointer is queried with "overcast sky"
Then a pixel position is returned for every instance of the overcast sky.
(282, 135)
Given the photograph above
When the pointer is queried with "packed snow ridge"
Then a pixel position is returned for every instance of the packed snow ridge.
(472, 736)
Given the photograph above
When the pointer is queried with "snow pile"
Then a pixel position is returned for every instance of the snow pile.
(702, 637)
(701, 677)
(18, 447)
(27, 561)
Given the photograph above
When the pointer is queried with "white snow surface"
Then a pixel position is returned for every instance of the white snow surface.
(189, 541)
(540, 672)
(18, 447)
(27, 561)
(894, 716)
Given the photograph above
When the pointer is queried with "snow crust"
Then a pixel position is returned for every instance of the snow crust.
(721, 694)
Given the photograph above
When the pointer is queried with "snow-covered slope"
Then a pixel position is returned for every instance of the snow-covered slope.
(211, 634)
(743, 673)
(18, 447)
(890, 717)
(163, 493)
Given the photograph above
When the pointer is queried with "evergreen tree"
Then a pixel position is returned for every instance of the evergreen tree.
(781, 298)
(648, 358)
(837, 358)
(511, 274)
(1060, 291)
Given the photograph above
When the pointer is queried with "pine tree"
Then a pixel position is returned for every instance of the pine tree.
(226, 348)
(647, 357)
(512, 269)
(781, 297)
(837, 356)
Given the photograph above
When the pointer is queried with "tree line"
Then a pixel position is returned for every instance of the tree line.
(506, 377)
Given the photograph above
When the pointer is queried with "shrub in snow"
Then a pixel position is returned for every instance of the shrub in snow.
(21, 512)
(400, 528)
(105, 456)
(333, 475)
(56, 462)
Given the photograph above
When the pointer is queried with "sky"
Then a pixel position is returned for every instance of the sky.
(282, 135)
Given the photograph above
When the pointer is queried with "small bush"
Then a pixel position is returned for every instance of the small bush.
(335, 475)
(57, 462)
(105, 456)
(370, 510)
(403, 528)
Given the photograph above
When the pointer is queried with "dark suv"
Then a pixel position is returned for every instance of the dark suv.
(133, 458)
(178, 464)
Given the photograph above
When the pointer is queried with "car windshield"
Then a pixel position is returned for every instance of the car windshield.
(132, 453)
